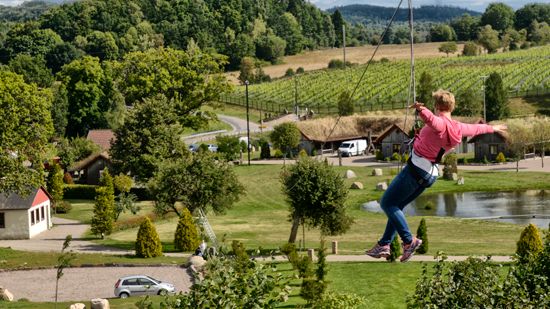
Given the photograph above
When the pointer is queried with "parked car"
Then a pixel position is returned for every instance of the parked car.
(141, 285)
(212, 147)
(193, 147)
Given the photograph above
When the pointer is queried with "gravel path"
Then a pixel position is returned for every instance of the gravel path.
(83, 284)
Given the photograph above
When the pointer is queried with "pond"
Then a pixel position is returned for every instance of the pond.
(519, 207)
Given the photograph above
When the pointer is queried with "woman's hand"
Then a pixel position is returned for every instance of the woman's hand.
(417, 105)
(500, 128)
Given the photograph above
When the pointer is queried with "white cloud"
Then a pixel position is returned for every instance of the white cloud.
(11, 2)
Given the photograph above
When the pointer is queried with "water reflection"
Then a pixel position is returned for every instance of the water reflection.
(520, 207)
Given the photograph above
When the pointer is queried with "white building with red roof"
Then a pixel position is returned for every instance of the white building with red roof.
(23, 217)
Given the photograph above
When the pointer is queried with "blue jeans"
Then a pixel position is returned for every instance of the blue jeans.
(402, 190)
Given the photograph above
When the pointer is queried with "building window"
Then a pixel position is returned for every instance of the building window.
(396, 148)
(32, 217)
(42, 213)
(493, 149)
(2, 221)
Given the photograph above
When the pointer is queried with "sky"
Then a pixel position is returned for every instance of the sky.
(476, 5)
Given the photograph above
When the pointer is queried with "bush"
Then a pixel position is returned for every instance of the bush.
(62, 207)
(395, 250)
(79, 192)
(336, 64)
(300, 70)
(186, 237)
(148, 242)
(311, 289)
(289, 249)
(379, 156)
(278, 154)
(302, 153)
(67, 178)
(384, 60)
(289, 72)
(223, 286)
(331, 300)
(529, 244)
(470, 49)
(501, 158)
(396, 157)
(104, 208)
(422, 233)
(241, 257)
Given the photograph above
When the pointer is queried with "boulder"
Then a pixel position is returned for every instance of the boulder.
(349, 174)
(377, 172)
(78, 306)
(357, 185)
(454, 177)
(5, 295)
(100, 303)
(371, 206)
(382, 186)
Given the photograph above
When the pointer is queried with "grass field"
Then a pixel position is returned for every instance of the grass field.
(260, 218)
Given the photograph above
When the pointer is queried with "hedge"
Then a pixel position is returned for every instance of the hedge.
(87, 192)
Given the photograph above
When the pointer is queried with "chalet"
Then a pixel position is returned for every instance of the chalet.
(392, 140)
(489, 146)
(23, 217)
(88, 171)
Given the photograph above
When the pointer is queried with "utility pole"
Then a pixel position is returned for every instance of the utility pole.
(247, 123)
(484, 78)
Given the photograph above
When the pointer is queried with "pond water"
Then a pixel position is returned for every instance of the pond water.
(519, 207)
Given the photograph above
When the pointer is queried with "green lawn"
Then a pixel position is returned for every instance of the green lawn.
(260, 218)
(114, 303)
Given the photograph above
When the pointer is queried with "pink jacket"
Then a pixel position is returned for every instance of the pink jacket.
(442, 132)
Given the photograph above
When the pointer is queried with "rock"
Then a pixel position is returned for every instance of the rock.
(5, 295)
(78, 306)
(350, 174)
(460, 181)
(377, 172)
(100, 303)
(357, 185)
(382, 186)
(454, 176)
(371, 206)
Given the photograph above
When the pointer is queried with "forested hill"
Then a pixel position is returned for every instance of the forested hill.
(266, 29)
(363, 13)
(26, 11)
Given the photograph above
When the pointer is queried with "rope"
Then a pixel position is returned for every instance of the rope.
(366, 67)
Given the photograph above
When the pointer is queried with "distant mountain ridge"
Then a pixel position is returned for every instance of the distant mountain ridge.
(361, 13)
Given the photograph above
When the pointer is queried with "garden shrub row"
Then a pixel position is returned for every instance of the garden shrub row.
(87, 192)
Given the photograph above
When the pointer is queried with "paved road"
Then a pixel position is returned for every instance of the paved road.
(83, 284)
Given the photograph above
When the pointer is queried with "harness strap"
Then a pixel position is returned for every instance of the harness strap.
(439, 155)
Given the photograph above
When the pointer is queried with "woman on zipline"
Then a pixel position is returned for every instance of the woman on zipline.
(439, 135)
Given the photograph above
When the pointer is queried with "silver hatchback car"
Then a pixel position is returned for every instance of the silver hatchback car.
(142, 285)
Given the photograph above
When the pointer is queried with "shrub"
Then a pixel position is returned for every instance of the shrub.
(529, 244)
(384, 60)
(470, 49)
(422, 233)
(63, 207)
(450, 166)
(186, 237)
(289, 249)
(501, 158)
(289, 72)
(300, 70)
(103, 218)
(223, 286)
(278, 154)
(379, 156)
(265, 152)
(395, 250)
(485, 160)
(241, 257)
(54, 183)
(79, 192)
(302, 153)
(336, 64)
(148, 242)
(332, 300)
(396, 157)
(311, 289)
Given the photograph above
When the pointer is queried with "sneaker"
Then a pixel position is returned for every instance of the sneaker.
(379, 251)
(408, 249)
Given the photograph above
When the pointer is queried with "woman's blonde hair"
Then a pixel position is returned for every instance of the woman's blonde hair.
(444, 100)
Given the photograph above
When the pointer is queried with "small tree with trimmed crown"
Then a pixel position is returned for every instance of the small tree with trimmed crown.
(529, 244)
(148, 242)
(55, 183)
(422, 233)
(186, 237)
(395, 250)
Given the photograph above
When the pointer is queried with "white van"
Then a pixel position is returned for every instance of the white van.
(353, 148)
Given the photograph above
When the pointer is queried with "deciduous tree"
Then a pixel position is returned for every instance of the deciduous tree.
(316, 194)
(499, 16)
(488, 38)
(285, 136)
(448, 48)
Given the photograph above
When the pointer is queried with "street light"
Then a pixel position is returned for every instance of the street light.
(484, 77)
(247, 123)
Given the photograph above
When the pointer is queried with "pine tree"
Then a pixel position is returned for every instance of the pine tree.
(55, 183)
(102, 221)
(148, 242)
(496, 100)
(186, 237)
(395, 250)
(529, 244)
(422, 233)
(104, 209)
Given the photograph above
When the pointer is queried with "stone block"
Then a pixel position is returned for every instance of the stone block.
(350, 174)
(377, 172)
(357, 185)
(78, 306)
(382, 186)
(100, 303)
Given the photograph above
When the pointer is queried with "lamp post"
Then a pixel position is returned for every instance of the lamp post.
(247, 123)
(484, 77)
